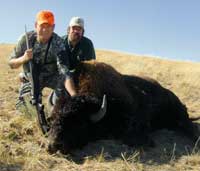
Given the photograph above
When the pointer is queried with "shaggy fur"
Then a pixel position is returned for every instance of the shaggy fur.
(136, 107)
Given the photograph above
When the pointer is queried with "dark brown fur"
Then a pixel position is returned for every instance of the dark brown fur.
(136, 107)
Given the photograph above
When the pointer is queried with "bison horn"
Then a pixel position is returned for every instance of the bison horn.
(95, 117)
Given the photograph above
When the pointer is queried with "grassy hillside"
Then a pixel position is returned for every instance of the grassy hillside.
(22, 146)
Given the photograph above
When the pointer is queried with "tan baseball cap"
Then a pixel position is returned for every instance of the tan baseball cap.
(76, 21)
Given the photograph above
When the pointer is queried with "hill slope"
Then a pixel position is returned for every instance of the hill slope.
(22, 146)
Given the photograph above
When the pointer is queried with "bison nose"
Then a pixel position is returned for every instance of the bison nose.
(52, 148)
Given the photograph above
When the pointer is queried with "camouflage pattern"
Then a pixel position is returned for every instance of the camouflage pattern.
(56, 61)
(51, 69)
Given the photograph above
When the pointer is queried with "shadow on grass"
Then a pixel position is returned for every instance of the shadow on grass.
(169, 147)
(13, 167)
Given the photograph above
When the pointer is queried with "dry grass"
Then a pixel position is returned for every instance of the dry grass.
(22, 146)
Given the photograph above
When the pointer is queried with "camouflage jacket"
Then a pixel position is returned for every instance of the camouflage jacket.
(56, 61)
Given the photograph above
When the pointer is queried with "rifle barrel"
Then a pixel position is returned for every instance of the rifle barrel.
(27, 44)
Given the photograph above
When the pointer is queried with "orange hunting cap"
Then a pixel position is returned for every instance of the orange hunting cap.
(45, 17)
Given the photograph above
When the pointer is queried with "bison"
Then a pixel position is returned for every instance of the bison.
(117, 106)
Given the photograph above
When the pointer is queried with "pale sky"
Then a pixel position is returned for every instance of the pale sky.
(169, 29)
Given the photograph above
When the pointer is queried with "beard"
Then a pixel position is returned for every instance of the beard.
(75, 37)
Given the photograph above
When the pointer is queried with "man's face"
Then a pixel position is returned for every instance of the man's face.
(44, 32)
(75, 33)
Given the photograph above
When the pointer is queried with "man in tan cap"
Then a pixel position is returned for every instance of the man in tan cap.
(47, 53)
(79, 48)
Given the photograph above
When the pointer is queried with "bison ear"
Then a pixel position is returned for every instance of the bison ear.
(95, 117)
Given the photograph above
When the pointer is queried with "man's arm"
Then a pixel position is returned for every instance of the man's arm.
(20, 54)
(17, 62)
(70, 87)
(63, 66)
(89, 51)
(92, 51)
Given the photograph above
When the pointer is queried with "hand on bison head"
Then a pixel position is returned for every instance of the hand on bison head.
(71, 122)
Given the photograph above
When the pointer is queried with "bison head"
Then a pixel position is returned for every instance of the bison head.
(72, 122)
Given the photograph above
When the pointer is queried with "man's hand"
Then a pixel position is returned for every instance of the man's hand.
(28, 55)
(17, 62)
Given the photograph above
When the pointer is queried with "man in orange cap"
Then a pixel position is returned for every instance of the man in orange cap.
(47, 53)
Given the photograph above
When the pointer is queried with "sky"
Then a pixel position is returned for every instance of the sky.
(163, 28)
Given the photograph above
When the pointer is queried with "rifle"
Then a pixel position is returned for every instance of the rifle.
(33, 77)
